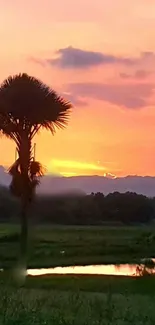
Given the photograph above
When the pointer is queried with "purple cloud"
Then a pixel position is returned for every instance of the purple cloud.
(71, 57)
(74, 58)
(132, 96)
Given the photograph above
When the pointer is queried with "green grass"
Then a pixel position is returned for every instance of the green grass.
(78, 300)
(53, 307)
(94, 283)
(144, 285)
(82, 245)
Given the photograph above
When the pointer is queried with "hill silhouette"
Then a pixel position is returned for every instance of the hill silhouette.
(51, 184)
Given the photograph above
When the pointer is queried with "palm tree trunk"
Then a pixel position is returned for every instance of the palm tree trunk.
(24, 234)
(19, 273)
(24, 156)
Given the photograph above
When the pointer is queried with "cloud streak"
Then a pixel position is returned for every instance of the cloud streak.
(131, 96)
(139, 74)
(37, 61)
(76, 101)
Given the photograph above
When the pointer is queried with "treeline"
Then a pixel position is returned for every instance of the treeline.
(94, 209)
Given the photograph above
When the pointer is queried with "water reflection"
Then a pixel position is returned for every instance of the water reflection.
(123, 269)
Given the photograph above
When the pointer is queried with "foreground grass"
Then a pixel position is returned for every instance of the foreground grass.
(144, 285)
(94, 283)
(36, 306)
(78, 300)
(66, 245)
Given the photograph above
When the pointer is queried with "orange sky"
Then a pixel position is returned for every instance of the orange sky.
(102, 68)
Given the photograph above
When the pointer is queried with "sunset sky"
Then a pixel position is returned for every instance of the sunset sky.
(100, 54)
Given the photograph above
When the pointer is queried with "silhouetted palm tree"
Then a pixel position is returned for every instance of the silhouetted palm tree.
(26, 106)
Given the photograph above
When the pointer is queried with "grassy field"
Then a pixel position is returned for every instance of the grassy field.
(94, 283)
(81, 245)
(57, 308)
(81, 300)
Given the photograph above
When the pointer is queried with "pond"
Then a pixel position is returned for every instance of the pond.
(112, 269)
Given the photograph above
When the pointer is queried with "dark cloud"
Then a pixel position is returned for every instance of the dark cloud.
(139, 74)
(132, 96)
(71, 57)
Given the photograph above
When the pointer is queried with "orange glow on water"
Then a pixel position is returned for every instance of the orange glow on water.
(126, 270)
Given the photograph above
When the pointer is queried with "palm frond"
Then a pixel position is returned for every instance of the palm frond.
(13, 170)
(16, 185)
(26, 106)
(29, 104)
(36, 169)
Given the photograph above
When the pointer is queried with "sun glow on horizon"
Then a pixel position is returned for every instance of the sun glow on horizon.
(68, 174)
(77, 165)
(69, 168)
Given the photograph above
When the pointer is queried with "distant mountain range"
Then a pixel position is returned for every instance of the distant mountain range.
(87, 184)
